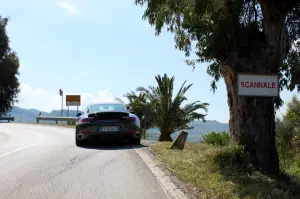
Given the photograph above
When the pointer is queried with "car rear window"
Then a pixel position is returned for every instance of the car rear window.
(107, 107)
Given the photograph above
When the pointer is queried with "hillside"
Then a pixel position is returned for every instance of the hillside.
(199, 129)
(29, 115)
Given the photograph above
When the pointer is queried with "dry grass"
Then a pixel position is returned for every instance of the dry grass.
(220, 173)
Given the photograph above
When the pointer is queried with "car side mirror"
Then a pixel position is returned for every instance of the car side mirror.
(78, 114)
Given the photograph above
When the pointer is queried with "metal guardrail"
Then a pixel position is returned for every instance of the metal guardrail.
(7, 118)
(56, 119)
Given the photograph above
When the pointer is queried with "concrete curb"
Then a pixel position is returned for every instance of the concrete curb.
(171, 190)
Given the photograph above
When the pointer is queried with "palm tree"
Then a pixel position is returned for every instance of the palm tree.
(168, 114)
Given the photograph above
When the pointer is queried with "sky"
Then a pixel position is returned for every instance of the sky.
(100, 50)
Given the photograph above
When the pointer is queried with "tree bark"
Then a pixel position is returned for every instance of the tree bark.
(252, 125)
(165, 137)
(275, 34)
(252, 119)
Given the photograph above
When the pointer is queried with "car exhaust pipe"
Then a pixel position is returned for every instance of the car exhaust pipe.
(79, 136)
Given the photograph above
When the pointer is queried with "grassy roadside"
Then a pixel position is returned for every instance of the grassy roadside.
(219, 173)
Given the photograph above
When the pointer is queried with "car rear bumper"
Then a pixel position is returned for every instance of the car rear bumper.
(119, 135)
(91, 135)
(91, 131)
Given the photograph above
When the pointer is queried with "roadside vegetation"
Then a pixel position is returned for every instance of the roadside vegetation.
(234, 37)
(9, 71)
(166, 109)
(254, 160)
(216, 138)
(220, 172)
(220, 169)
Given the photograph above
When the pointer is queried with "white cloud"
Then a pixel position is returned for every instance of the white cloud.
(42, 100)
(69, 7)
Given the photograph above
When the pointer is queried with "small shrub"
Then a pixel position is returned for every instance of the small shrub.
(296, 143)
(230, 157)
(297, 160)
(284, 144)
(71, 123)
(284, 135)
(217, 138)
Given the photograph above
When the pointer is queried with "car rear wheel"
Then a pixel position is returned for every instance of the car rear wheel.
(80, 142)
(136, 140)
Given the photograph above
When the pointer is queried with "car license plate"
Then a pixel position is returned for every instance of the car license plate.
(109, 129)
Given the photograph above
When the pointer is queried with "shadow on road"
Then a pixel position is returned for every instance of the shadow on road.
(112, 145)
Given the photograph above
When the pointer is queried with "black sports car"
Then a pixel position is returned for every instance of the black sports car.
(107, 120)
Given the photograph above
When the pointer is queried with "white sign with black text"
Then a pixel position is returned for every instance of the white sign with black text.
(258, 85)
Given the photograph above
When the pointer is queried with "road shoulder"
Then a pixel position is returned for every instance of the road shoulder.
(173, 187)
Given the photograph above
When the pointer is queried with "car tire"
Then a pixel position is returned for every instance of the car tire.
(79, 142)
(136, 140)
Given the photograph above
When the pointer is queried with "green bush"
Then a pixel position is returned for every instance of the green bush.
(217, 138)
(71, 123)
(231, 156)
(284, 136)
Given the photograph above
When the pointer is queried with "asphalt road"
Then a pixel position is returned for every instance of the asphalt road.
(39, 161)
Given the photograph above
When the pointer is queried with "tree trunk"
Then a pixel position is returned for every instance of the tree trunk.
(252, 119)
(164, 136)
(252, 125)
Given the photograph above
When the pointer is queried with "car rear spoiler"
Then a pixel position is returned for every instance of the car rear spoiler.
(109, 114)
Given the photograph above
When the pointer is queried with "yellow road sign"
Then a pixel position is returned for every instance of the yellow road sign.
(73, 100)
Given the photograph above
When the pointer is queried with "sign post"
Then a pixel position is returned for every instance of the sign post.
(61, 93)
(145, 120)
(73, 100)
(253, 85)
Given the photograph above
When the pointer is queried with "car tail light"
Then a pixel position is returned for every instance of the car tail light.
(132, 119)
(85, 120)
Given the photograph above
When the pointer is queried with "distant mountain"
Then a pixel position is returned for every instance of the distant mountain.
(200, 128)
(29, 115)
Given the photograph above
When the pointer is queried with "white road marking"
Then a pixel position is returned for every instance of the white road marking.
(25, 147)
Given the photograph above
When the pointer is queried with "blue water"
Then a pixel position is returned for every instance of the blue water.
(195, 134)
(153, 134)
